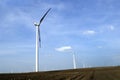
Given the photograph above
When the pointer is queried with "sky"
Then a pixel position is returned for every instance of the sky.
(87, 28)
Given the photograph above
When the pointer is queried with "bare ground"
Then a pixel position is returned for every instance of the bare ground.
(103, 73)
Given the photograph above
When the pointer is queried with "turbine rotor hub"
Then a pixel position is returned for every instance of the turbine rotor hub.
(36, 24)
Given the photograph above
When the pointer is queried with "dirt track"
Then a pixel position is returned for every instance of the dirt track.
(108, 73)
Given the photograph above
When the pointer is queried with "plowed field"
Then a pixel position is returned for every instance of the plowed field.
(103, 73)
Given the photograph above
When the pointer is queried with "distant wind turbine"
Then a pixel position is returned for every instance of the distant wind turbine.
(38, 39)
(74, 61)
(68, 48)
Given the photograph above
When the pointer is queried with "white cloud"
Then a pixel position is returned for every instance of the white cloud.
(89, 32)
(64, 48)
(111, 28)
(106, 28)
(100, 47)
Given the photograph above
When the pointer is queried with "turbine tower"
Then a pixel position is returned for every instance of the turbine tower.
(38, 39)
(74, 61)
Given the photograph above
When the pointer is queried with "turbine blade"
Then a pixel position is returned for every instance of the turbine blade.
(44, 16)
(39, 37)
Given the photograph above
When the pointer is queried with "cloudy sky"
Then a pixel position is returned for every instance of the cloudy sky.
(88, 28)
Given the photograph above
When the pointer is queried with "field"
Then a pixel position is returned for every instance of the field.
(101, 73)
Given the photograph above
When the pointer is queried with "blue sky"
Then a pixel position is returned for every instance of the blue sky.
(89, 27)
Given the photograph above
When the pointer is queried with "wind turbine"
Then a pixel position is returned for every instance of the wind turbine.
(69, 48)
(38, 39)
(74, 60)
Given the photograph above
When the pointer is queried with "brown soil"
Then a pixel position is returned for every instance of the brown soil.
(103, 73)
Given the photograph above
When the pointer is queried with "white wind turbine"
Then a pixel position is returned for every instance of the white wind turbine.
(38, 39)
(74, 60)
(69, 48)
